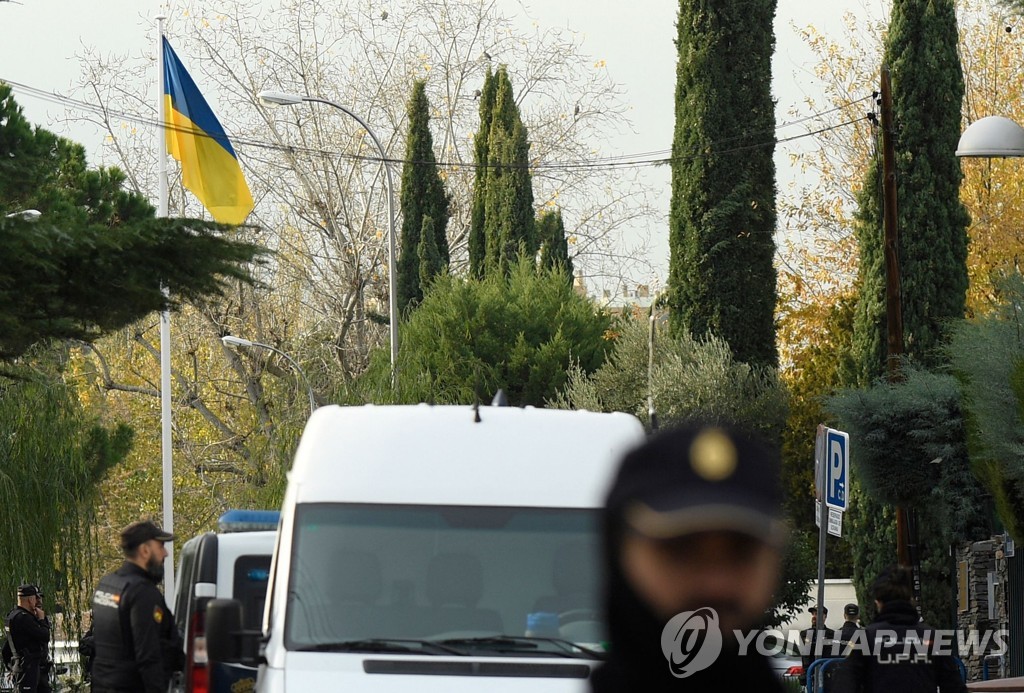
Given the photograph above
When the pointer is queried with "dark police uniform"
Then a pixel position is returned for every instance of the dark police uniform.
(896, 654)
(30, 637)
(812, 651)
(847, 631)
(138, 647)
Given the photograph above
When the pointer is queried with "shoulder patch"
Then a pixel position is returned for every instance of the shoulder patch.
(104, 598)
(158, 614)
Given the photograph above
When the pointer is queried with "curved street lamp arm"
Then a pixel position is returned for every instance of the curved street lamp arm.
(392, 271)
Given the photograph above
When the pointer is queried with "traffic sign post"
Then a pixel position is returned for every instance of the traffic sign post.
(835, 519)
(831, 484)
(819, 455)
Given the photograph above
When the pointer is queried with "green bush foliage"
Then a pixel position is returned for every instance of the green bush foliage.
(691, 379)
(987, 354)
(471, 337)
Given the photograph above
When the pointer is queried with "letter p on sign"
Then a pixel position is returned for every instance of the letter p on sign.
(837, 446)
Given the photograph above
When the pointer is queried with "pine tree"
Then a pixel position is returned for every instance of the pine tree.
(96, 259)
(477, 240)
(521, 332)
(722, 216)
(423, 196)
(554, 246)
(430, 262)
(927, 93)
(40, 170)
(508, 189)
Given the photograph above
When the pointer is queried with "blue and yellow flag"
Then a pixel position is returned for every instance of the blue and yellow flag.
(209, 165)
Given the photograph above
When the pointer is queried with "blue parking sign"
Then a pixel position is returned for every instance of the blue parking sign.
(837, 469)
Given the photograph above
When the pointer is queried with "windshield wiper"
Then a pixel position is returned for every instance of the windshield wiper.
(383, 645)
(523, 643)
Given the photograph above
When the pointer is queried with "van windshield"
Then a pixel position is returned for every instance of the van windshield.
(369, 572)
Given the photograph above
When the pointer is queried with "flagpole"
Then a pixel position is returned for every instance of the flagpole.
(165, 328)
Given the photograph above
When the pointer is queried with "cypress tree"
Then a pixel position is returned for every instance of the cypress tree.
(554, 247)
(422, 196)
(722, 216)
(508, 189)
(430, 263)
(477, 241)
(927, 93)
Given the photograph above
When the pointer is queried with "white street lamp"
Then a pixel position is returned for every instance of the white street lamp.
(993, 136)
(25, 215)
(231, 341)
(284, 99)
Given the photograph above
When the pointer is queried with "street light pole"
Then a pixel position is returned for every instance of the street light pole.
(231, 341)
(285, 99)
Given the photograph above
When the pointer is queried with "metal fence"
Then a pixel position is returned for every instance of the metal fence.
(820, 674)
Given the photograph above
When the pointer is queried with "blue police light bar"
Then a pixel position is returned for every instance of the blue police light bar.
(248, 521)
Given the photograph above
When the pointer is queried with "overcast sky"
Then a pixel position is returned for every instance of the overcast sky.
(41, 38)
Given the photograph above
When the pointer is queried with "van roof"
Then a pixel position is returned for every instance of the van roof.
(425, 454)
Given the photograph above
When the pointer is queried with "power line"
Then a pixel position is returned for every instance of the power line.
(617, 162)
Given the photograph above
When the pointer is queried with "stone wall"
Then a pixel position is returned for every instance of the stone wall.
(981, 559)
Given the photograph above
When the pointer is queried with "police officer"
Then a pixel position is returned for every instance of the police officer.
(138, 647)
(897, 652)
(28, 631)
(693, 531)
(813, 649)
(851, 612)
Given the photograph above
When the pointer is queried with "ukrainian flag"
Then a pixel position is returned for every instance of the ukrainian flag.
(209, 165)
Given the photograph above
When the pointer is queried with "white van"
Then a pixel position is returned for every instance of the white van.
(436, 548)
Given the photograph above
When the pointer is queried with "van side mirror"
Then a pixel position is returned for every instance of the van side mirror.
(226, 640)
(223, 621)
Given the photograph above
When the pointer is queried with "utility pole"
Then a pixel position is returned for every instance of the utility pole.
(893, 309)
(905, 528)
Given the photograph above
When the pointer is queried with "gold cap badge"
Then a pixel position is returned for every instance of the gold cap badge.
(713, 455)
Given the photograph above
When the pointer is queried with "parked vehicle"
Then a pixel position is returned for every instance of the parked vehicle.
(232, 563)
(787, 664)
(436, 548)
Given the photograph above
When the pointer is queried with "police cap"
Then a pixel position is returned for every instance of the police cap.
(701, 478)
(139, 533)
